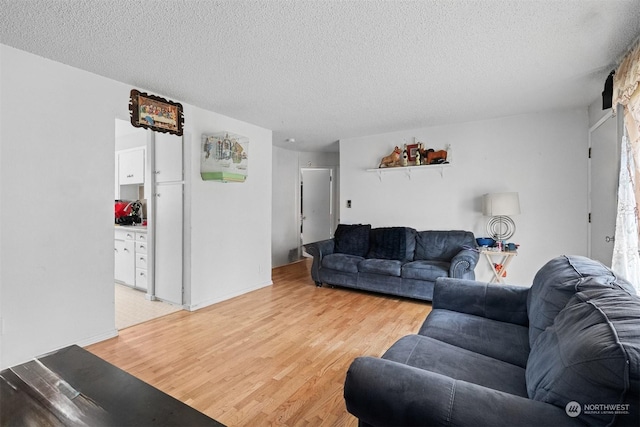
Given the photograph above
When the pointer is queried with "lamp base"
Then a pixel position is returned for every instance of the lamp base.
(501, 227)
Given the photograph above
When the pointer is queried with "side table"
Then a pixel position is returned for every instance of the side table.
(498, 257)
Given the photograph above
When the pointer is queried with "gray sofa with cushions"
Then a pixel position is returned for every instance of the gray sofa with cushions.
(392, 260)
(564, 352)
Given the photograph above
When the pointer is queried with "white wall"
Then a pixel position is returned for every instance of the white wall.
(286, 198)
(286, 211)
(56, 208)
(230, 223)
(131, 138)
(541, 156)
(2, 108)
(57, 205)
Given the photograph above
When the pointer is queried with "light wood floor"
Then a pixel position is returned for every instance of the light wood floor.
(275, 356)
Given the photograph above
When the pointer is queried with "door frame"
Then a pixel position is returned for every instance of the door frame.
(332, 201)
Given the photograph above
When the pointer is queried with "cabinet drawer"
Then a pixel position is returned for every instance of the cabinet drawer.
(141, 278)
(141, 237)
(124, 235)
(141, 247)
(141, 260)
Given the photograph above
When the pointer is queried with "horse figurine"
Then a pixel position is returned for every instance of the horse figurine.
(436, 156)
(392, 159)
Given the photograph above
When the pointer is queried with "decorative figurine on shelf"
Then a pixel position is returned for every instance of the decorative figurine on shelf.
(392, 159)
(435, 157)
(417, 157)
(423, 153)
(405, 156)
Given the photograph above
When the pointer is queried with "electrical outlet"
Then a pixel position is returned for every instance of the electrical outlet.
(348, 203)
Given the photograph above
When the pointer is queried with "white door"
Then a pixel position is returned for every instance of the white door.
(316, 205)
(168, 151)
(168, 242)
(604, 186)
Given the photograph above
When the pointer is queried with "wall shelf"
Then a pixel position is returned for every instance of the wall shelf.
(408, 170)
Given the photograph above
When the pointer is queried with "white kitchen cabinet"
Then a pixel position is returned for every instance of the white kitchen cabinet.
(124, 247)
(131, 258)
(168, 158)
(116, 179)
(141, 281)
(131, 166)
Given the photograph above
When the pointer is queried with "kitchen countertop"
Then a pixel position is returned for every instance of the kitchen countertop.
(140, 228)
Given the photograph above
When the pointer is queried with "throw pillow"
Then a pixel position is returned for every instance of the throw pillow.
(352, 239)
(392, 243)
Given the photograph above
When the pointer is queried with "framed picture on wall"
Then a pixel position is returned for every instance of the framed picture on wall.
(224, 157)
(411, 152)
(155, 113)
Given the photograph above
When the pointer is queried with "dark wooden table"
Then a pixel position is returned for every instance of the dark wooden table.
(75, 387)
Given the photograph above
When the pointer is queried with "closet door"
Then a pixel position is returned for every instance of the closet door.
(168, 153)
(168, 242)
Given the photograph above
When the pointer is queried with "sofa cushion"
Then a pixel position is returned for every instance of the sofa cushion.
(590, 355)
(457, 363)
(392, 243)
(386, 267)
(557, 281)
(352, 239)
(504, 341)
(342, 262)
(441, 245)
(425, 270)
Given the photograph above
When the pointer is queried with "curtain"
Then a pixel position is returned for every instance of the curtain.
(626, 261)
(626, 92)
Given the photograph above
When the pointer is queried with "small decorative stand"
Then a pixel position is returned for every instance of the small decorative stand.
(504, 259)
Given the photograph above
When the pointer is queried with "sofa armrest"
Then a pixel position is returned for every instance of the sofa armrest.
(506, 303)
(384, 393)
(463, 264)
(319, 250)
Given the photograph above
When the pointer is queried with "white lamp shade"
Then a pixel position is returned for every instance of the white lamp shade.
(503, 204)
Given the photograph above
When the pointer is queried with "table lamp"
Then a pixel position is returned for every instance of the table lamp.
(499, 206)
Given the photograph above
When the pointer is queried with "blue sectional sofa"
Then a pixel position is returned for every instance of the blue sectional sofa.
(392, 260)
(564, 352)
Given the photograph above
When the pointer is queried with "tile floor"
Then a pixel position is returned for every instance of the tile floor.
(133, 308)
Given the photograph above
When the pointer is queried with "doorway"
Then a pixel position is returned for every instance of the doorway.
(136, 299)
(316, 207)
(603, 186)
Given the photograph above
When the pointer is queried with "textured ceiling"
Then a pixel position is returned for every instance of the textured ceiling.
(319, 71)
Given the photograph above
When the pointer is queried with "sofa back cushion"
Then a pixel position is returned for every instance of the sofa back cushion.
(442, 245)
(558, 280)
(397, 243)
(352, 239)
(591, 355)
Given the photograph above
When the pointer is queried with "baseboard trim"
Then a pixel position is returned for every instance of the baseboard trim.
(207, 303)
(97, 338)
